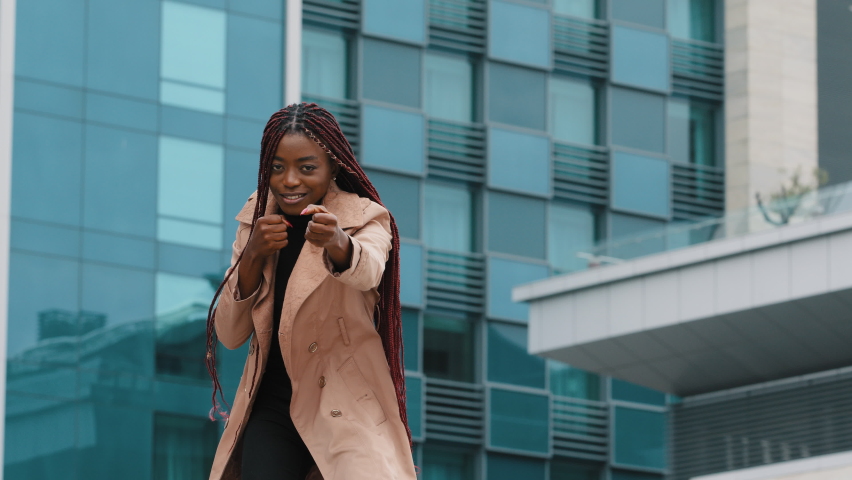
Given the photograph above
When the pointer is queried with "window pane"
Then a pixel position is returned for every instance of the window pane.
(645, 12)
(190, 180)
(640, 438)
(449, 217)
(411, 338)
(630, 392)
(401, 195)
(391, 72)
(520, 420)
(411, 274)
(625, 227)
(678, 136)
(183, 446)
(516, 96)
(509, 467)
(392, 18)
(503, 275)
(640, 58)
(448, 91)
(414, 404)
(446, 464)
(524, 33)
(625, 475)
(508, 360)
(255, 63)
(393, 139)
(448, 348)
(702, 134)
(638, 119)
(181, 325)
(516, 225)
(640, 184)
(519, 161)
(572, 229)
(573, 111)
(567, 381)
(50, 40)
(324, 61)
(693, 19)
(573, 470)
(577, 8)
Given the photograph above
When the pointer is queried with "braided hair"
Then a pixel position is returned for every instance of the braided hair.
(319, 125)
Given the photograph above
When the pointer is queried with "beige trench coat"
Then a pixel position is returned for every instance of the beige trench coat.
(344, 404)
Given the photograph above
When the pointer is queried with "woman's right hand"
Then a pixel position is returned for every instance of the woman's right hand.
(269, 236)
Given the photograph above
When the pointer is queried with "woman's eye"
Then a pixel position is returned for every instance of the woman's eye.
(277, 168)
(309, 168)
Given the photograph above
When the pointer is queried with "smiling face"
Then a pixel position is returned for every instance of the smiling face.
(301, 173)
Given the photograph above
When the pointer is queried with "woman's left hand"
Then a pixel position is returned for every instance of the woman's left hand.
(324, 232)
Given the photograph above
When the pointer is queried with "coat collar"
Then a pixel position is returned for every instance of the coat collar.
(344, 205)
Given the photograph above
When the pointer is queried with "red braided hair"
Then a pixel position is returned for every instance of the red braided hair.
(320, 125)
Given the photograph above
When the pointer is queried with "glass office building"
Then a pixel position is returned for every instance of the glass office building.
(506, 137)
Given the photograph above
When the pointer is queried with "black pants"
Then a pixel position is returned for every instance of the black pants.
(272, 448)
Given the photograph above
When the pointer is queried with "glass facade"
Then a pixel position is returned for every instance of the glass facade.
(501, 157)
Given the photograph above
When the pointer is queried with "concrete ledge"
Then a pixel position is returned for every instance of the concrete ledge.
(836, 466)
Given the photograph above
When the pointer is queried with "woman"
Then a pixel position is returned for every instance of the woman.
(314, 287)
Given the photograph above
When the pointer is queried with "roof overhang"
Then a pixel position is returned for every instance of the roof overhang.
(723, 314)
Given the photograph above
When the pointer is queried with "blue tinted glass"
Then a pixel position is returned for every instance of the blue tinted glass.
(46, 98)
(640, 58)
(186, 397)
(443, 463)
(255, 83)
(121, 111)
(516, 225)
(645, 12)
(573, 111)
(506, 467)
(567, 381)
(516, 96)
(121, 181)
(392, 139)
(189, 233)
(112, 452)
(240, 182)
(630, 392)
(22, 460)
(123, 52)
(37, 237)
(118, 249)
(508, 360)
(414, 405)
(625, 475)
(679, 130)
(183, 446)
(448, 88)
(50, 39)
(519, 161)
(571, 229)
(205, 127)
(624, 229)
(411, 338)
(190, 180)
(693, 19)
(392, 18)
(272, 9)
(203, 99)
(702, 133)
(187, 260)
(524, 33)
(391, 72)
(181, 324)
(638, 119)
(411, 274)
(244, 134)
(46, 163)
(43, 305)
(640, 438)
(324, 64)
(640, 184)
(576, 8)
(448, 348)
(448, 224)
(401, 195)
(503, 275)
(520, 421)
(561, 469)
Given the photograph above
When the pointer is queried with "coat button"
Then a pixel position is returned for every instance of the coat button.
(336, 413)
(313, 347)
(322, 382)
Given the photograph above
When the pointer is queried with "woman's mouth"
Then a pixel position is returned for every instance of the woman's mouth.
(293, 198)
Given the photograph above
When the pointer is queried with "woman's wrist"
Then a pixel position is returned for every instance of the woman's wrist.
(340, 251)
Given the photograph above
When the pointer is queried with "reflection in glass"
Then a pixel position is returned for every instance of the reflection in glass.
(573, 111)
(567, 381)
(183, 446)
(449, 218)
(181, 325)
(448, 348)
(324, 64)
(516, 96)
(508, 360)
(577, 8)
(640, 438)
(692, 131)
(693, 19)
(448, 89)
(514, 467)
(391, 72)
(520, 420)
(571, 229)
(446, 464)
(411, 338)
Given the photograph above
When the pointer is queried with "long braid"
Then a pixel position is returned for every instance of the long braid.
(321, 126)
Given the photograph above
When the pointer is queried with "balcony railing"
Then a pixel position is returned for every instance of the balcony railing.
(580, 428)
(455, 281)
(457, 24)
(581, 173)
(347, 113)
(698, 69)
(338, 13)
(698, 191)
(457, 150)
(454, 411)
(581, 45)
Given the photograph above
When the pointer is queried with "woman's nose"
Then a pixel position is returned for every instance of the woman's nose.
(290, 179)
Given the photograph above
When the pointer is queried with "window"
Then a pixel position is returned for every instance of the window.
(644, 12)
(519, 420)
(448, 224)
(516, 225)
(692, 132)
(567, 381)
(573, 470)
(510, 467)
(640, 184)
(693, 19)
(640, 58)
(181, 325)
(508, 360)
(392, 18)
(524, 33)
(393, 139)
(324, 64)
(391, 72)
(442, 463)
(183, 446)
(414, 404)
(192, 61)
(573, 111)
(571, 229)
(638, 119)
(448, 348)
(624, 228)
(640, 438)
(411, 274)
(448, 91)
(576, 8)
(630, 392)
(503, 276)
(189, 197)
(516, 96)
(411, 338)
(401, 195)
(519, 161)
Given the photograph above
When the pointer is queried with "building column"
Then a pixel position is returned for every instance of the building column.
(770, 96)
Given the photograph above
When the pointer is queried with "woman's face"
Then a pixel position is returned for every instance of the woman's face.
(301, 173)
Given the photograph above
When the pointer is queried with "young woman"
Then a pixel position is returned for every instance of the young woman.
(314, 288)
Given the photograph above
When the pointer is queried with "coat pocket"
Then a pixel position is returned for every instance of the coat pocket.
(343, 333)
(357, 385)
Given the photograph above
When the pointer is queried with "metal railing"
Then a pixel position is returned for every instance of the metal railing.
(455, 281)
(698, 191)
(698, 69)
(581, 45)
(457, 150)
(454, 411)
(581, 173)
(458, 24)
(580, 428)
(338, 13)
